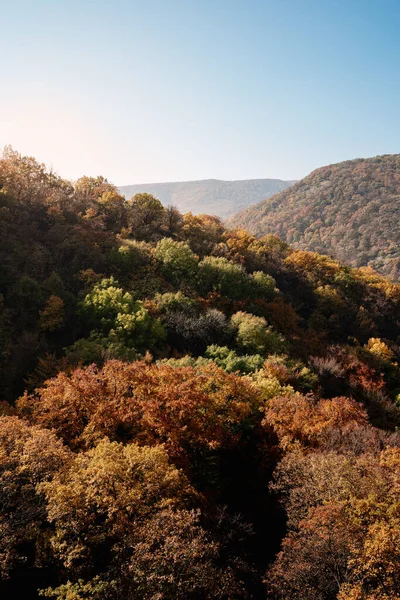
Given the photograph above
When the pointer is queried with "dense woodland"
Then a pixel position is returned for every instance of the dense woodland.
(350, 211)
(188, 412)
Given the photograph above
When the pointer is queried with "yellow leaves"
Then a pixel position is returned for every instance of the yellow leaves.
(319, 269)
(374, 564)
(105, 492)
(329, 299)
(269, 385)
(380, 350)
(81, 590)
(28, 456)
(390, 459)
(343, 513)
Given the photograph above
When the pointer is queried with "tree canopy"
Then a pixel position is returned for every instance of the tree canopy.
(188, 411)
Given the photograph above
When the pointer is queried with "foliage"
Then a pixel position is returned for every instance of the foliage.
(254, 334)
(177, 260)
(347, 210)
(116, 313)
(179, 407)
(172, 375)
(146, 217)
(29, 455)
(232, 362)
(217, 274)
(52, 315)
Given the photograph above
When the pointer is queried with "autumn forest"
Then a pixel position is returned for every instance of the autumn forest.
(188, 411)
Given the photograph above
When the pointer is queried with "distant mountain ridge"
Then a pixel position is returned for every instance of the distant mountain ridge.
(349, 210)
(210, 196)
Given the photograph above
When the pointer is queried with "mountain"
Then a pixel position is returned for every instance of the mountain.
(211, 196)
(348, 210)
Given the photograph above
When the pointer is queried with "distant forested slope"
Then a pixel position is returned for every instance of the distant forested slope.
(210, 196)
(349, 210)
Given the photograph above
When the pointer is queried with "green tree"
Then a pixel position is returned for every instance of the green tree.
(217, 274)
(146, 217)
(255, 335)
(115, 312)
(177, 261)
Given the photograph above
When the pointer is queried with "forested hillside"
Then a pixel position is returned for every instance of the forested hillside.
(350, 211)
(210, 196)
(188, 412)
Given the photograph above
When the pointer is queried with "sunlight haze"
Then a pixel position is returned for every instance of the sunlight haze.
(174, 90)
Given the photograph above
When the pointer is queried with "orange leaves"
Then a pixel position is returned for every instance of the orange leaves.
(181, 407)
(341, 494)
(302, 419)
(312, 563)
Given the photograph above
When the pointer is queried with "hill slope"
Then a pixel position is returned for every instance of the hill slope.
(202, 407)
(349, 210)
(211, 196)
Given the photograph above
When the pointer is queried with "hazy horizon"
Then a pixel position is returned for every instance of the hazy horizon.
(168, 91)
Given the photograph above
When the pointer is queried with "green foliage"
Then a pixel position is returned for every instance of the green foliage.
(173, 301)
(116, 313)
(233, 363)
(177, 260)
(146, 217)
(130, 256)
(255, 335)
(264, 285)
(217, 274)
(28, 298)
(98, 348)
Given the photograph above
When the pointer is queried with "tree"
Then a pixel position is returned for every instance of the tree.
(174, 557)
(380, 351)
(313, 562)
(167, 555)
(118, 315)
(192, 330)
(254, 334)
(233, 363)
(29, 456)
(92, 189)
(220, 275)
(202, 232)
(104, 502)
(177, 261)
(104, 492)
(52, 316)
(264, 286)
(146, 217)
(187, 409)
(305, 420)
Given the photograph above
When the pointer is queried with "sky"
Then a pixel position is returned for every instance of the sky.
(171, 90)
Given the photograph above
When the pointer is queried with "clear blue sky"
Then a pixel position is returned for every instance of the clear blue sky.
(164, 90)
